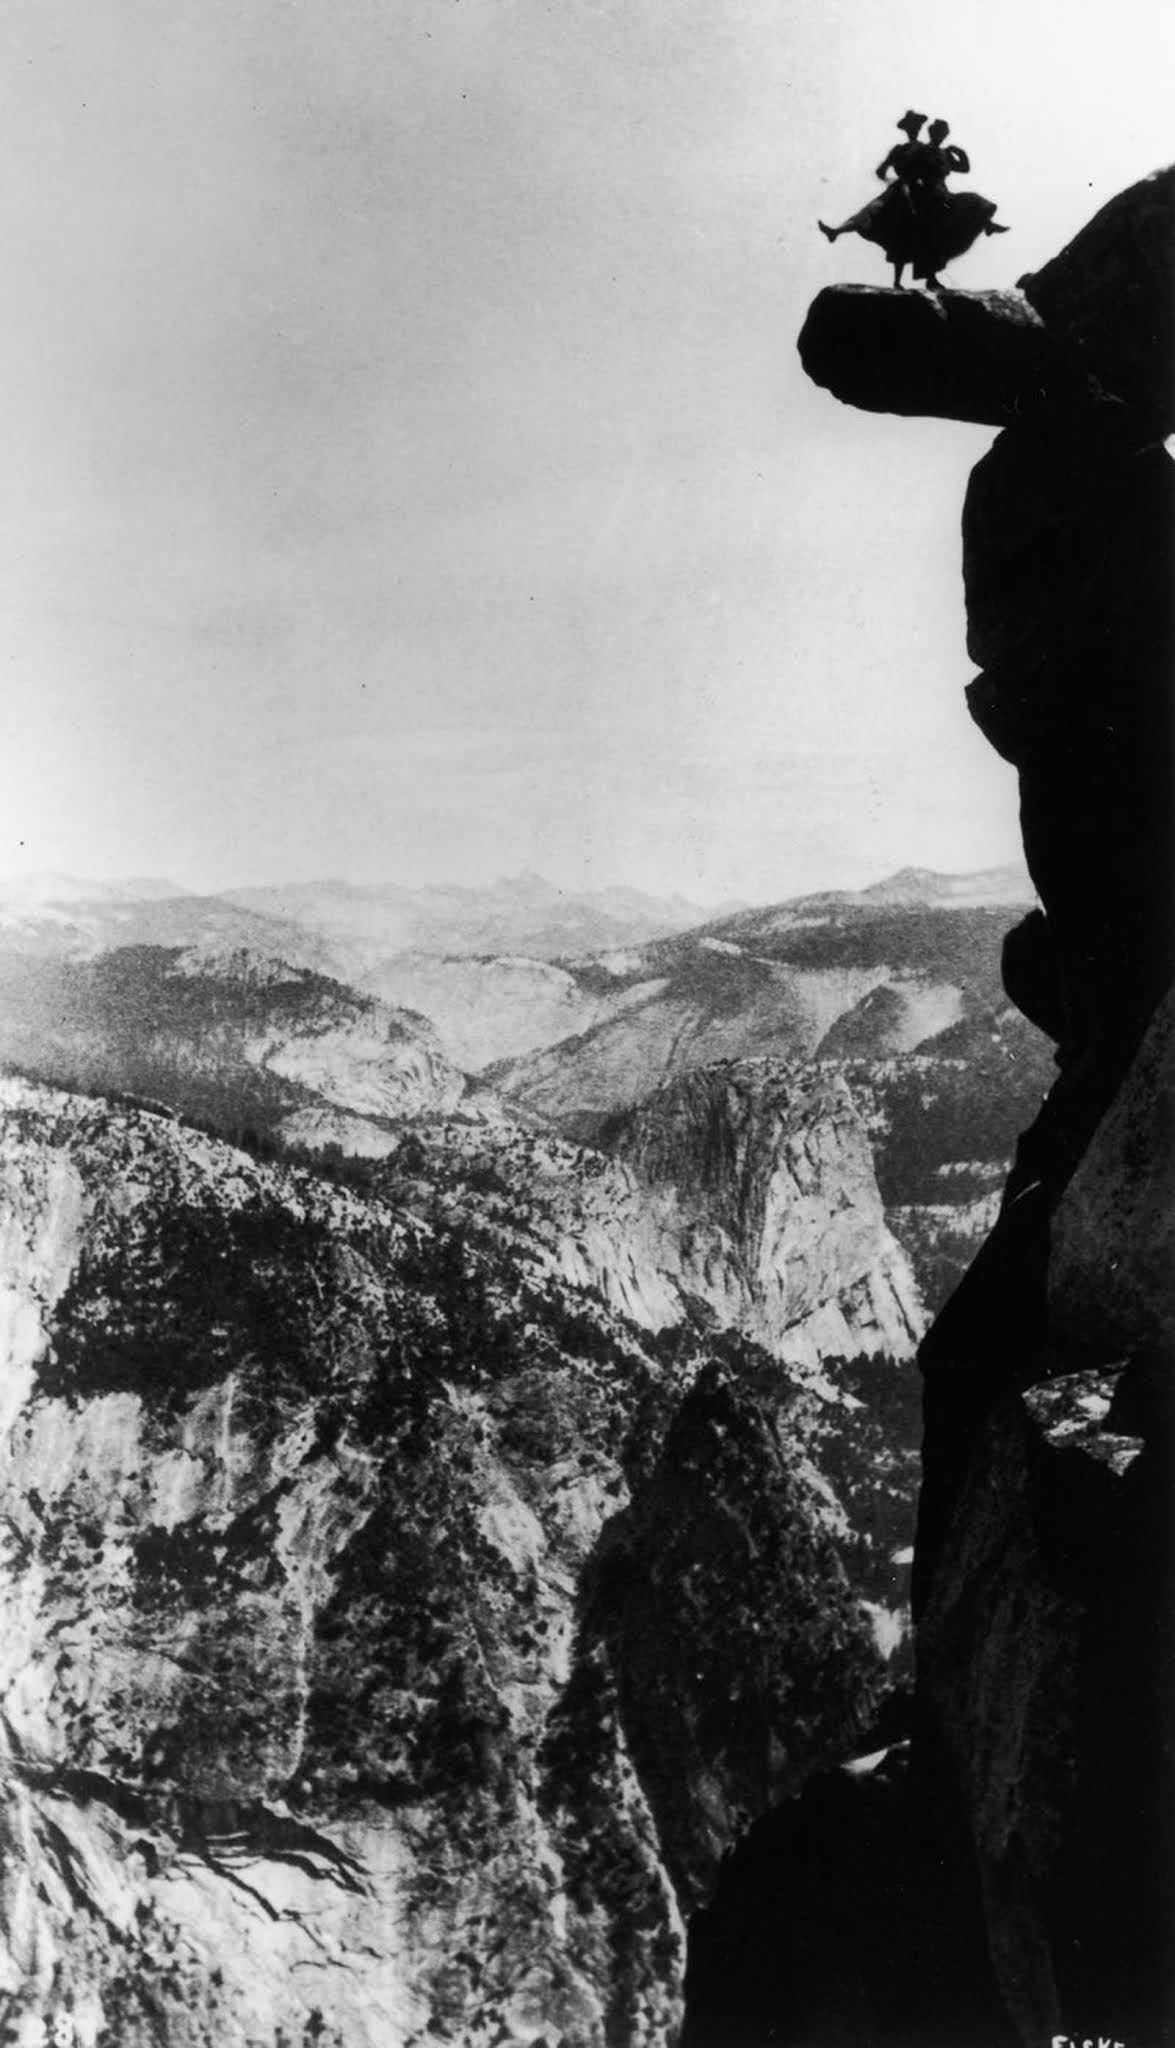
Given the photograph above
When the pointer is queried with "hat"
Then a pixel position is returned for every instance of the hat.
(911, 122)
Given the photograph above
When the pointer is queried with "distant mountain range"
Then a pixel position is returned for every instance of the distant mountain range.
(254, 1025)
(358, 925)
(518, 915)
(837, 975)
(522, 914)
(503, 971)
(925, 885)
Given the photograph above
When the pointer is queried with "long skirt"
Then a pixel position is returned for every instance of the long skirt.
(947, 231)
(886, 219)
(924, 230)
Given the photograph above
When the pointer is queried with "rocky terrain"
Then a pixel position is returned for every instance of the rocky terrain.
(510, 971)
(373, 1592)
(877, 973)
(239, 1038)
(895, 993)
(1001, 1877)
(635, 1313)
(297, 1753)
(896, 990)
(500, 1007)
(657, 1400)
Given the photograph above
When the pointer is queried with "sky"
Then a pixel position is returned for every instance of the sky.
(408, 473)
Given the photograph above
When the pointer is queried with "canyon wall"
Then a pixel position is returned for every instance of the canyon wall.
(404, 1603)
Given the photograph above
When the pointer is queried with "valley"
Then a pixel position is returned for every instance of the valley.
(404, 1455)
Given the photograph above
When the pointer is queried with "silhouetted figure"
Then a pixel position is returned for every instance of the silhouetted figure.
(949, 222)
(888, 220)
(906, 160)
(916, 220)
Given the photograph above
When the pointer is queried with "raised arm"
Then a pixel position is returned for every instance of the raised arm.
(958, 158)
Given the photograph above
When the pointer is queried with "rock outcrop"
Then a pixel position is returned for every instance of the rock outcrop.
(293, 1529)
(1026, 1825)
(360, 1576)
(981, 356)
(1067, 551)
(1085, 343)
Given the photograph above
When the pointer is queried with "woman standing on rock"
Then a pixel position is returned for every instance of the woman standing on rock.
(951, 221)
(916, 221)
(888, 220)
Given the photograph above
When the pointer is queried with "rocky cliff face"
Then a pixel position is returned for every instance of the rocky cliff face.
(1068, 542)
(727, 1545)
(1025, 1825)
(896, 991)
(744, 1195)
(789, 1247)
(366, 1585)
(775, 1179)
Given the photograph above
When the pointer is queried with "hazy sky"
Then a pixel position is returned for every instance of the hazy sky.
(407, 469)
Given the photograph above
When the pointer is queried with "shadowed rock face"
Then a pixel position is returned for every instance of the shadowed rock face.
(1067, 554)
(1043, 1567)
(1027, 1832)
(729, 1527)
(1046, 1656)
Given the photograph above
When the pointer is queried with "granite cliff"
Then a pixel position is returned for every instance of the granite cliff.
(773, 1177)
(395, 1632)
(1002, 1875)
